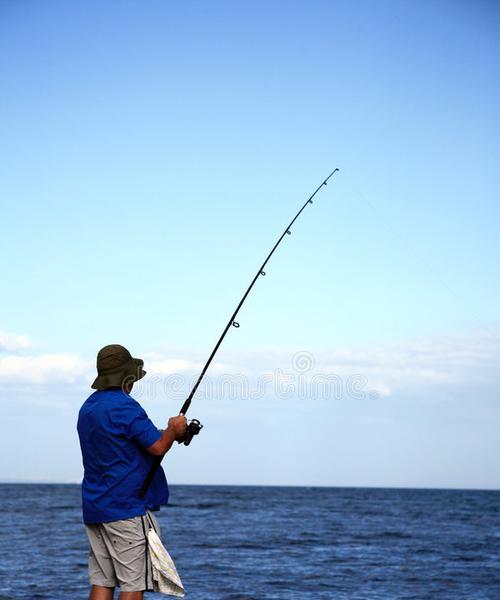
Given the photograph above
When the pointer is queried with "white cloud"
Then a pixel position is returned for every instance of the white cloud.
(171, 362)
(465, 367)
(434, 421)
(462, 366)
(448, 361)
(13, 342)
(43, 369)
(169, 366)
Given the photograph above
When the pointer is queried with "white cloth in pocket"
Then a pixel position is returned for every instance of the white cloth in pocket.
(166, 580)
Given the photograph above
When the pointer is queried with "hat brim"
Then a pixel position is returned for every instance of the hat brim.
(129, 372)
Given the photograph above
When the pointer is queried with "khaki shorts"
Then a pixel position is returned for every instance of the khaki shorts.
(119, 554)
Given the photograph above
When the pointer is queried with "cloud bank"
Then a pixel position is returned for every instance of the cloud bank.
(424, 412)
(462, 365)
(43, 369)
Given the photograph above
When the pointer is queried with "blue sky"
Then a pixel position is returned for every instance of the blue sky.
(151, 154)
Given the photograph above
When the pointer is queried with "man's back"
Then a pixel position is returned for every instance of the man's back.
(114, 433)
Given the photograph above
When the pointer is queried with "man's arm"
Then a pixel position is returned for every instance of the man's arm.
(175, 431)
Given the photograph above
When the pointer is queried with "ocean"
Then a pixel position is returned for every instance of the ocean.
(266, 543)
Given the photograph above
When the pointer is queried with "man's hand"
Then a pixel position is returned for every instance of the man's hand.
(174, 432)
(178, 426)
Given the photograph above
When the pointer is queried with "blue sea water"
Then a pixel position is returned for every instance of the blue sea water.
(265, 543)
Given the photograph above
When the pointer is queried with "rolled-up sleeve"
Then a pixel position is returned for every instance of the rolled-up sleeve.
(137, 426)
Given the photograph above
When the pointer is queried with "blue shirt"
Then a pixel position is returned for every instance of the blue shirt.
(114, 432)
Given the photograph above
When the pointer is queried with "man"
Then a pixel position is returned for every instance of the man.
(119, 443)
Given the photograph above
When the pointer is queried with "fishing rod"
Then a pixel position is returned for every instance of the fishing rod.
(194, 427)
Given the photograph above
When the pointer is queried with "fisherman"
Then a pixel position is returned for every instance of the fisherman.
(119, 443)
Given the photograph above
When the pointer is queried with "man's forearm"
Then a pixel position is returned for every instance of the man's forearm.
(167, 439)
(163, 445)
(175, 431)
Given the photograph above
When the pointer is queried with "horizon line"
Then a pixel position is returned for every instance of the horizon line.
(268, 485)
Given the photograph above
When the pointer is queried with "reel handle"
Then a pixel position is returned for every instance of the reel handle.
(194, 427)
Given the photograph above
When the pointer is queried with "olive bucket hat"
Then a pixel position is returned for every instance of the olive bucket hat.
(115, 366)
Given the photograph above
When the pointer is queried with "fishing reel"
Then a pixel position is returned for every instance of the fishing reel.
(193, 428)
